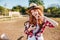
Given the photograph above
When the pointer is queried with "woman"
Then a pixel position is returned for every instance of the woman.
(37, 22)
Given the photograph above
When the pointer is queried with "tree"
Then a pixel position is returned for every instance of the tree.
(17, 8)
(3, 11)
(38, 2)
(20, 9)
(23, 10)
(54, 11)
(48, 11)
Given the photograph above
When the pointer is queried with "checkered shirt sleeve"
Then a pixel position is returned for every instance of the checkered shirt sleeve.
(26, 24)
(46, 23)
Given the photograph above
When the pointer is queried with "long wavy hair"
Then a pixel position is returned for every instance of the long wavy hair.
(33, 20)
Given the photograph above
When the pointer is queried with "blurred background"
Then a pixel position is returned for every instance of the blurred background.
(51, 7)
(13, 15)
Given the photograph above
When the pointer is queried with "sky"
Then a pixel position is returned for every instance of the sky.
(47, 3)
(10, 3)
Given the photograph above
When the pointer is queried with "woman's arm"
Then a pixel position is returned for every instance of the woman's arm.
(28, 28)
(26, 25)
(49, 22)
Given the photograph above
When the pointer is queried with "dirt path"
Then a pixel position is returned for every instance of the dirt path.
(14, 29)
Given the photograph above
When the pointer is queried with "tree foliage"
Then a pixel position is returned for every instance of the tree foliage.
(16, 8)
(23, 10)
(3, 11)
(54, 11)
(20, 9)
(39, 2)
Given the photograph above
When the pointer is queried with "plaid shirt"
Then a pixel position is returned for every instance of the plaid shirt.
(46, 23)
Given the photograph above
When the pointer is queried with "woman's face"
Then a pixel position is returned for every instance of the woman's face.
(35, 13)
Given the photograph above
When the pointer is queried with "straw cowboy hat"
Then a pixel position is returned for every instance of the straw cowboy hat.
(34, 6)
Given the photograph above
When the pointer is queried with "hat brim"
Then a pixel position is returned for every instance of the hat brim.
(34, 7)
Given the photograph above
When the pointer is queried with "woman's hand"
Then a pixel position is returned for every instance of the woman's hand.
(32, 28)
